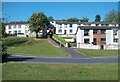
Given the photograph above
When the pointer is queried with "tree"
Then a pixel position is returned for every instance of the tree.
(50, 18)
(73, 20)
(84, 19)
(97, 18)
(112, 16)
(38, 22)
(2, 27)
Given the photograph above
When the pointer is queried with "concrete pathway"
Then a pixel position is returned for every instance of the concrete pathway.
(73, 53)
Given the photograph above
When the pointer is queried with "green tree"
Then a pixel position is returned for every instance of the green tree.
(73, 20)
(38, 22)
(112, 16)
(50, 18)
(97, 18)
(84, 19)
(2, 28)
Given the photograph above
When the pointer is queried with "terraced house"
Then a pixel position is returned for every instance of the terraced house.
(87, 35)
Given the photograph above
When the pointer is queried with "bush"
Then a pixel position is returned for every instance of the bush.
(13, 41)
(4, 52)
(60, 38)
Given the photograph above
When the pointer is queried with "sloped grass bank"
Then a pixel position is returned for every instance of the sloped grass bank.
(39, 47)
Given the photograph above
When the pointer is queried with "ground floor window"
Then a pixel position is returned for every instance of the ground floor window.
(115, 40)
(71, 31)
(86, 40)
(65, 31)
(15, 32)
(103, 40)
(9, 32)
(60, 31)
(94, 41)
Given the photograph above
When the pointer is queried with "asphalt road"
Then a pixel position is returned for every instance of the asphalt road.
(62, 60)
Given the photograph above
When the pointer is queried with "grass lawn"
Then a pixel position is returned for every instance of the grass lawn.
(98, 52)
(36, 48)
(20, 71)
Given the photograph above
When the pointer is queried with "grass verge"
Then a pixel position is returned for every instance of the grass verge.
(20, 71)
(97, 53)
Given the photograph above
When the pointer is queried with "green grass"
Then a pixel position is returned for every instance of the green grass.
(98, 52)
(20, 71)
(67, 37)
(36, 48)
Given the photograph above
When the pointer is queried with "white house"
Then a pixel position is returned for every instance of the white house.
(21, 29)
(98, 37)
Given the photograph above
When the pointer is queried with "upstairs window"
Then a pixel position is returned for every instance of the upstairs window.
(14, 26)
(9, 26)
(103, 31)
(86, 32)
(65, 25)
(95, 31)
(19, 26)
(115, 31)
(70, 25)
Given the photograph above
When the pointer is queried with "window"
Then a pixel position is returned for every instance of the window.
(95, 31)
(65, 25)
(14, 26)
(94, 41)
(19, 31)
(65, 31)
(60, 31)
(71, 30)
(103, 40)
(9, 32)
(86, 40)
(9, 27)
(15, 32)
(102, 24)
(86, 32)
(115, 40)
(19, 26)
(70, 25)
(26, 31)
(103, 31)
(97, 24)
(115, 31)
(106, 24)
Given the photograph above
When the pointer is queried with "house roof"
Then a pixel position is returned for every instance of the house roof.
(17, 22)
(64, 22)
(96, 27)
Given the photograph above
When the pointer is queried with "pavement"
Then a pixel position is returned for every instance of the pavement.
(73, 53)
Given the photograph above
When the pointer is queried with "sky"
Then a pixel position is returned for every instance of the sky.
(21, 11)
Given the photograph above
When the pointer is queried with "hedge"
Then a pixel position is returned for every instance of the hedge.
(13, 41)
(60, 39)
